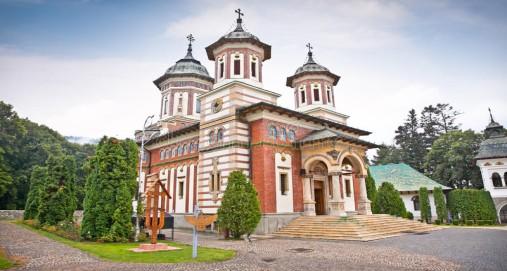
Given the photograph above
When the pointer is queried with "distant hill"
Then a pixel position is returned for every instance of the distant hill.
(81, 140)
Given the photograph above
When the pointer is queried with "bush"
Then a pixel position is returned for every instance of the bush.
(440, 207)
(471, 205)
(424, 203)
(239, 212)
(371, 190)
(388, 201)
(409, 215)
(438, 221)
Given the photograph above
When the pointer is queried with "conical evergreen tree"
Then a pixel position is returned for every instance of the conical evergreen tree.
(110, 187)
(58, 197)
(239, 212)
(38, 178)
(388, 201)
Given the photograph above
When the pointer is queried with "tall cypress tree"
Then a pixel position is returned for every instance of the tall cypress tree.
(38, 178)
(58, 197)
(424, 203)
(110, 187)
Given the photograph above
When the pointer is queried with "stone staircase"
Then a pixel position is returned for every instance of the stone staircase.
(358, 227)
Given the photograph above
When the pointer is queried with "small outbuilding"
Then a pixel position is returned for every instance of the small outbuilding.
(407, 181)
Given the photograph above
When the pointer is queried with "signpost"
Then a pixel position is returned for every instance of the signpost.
(199, 221)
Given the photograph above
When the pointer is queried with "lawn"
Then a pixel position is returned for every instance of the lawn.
(4, 262)
(119, 252)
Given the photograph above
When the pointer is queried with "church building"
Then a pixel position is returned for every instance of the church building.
(302, 161)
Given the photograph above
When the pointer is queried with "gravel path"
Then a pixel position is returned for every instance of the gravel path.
(42, 253)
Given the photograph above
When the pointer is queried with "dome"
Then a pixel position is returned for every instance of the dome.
(239, 35)
(187, 66)
(311, 67)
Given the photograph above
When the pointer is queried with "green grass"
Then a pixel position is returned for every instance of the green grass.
(4, 262)
(119, 252)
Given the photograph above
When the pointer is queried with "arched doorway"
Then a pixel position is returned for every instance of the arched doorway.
(502, 215)
(349, 185)
(320, 188)
(353, 180)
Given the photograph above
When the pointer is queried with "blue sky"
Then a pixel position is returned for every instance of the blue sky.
(85, 68)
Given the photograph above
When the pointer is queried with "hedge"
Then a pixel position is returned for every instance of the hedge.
(424, 203)
(471, 206)
(440, 207)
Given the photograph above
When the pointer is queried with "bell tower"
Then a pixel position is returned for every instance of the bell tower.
(179, 87)
(239, 56)
(313, 86)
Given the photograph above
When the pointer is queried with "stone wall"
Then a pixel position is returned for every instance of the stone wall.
(18, 214)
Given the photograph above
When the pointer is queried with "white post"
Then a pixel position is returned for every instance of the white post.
(364, 206)
(309, 204)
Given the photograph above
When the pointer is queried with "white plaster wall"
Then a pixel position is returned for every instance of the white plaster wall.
(409, 205)
(191, 180)
(170, 189)
(180, 202)
(495, 165)
(284, 203)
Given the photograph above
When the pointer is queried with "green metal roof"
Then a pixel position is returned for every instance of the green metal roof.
(403, 177)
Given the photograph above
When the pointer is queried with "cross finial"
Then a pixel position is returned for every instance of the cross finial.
(190, 38)
(490, 115)
(309, 46)
(238, 11)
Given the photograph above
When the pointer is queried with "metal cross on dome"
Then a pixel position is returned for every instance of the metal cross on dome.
(309, 46)
(190, 38)
(238, 11)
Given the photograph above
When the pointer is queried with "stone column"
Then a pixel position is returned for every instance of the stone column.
(364, 206)
(309, 204)
(337, 204)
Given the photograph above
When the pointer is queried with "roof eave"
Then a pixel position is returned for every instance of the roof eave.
(166, 76)
(223, 40)
(290, 79)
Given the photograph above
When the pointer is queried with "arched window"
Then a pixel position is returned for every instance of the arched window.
(164, 105)
(497, 180)
(162, 155)
(185, 149)
(175, 152)
(415, 201)
(191, 148)
(220, 135)
(167, 153)
(292, 135)
(316, 94)
(283, 134)
(273, 132)
(211, 138)
(505, 178)
(180, 150)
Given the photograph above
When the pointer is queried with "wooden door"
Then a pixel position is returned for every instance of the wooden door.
(319, 201)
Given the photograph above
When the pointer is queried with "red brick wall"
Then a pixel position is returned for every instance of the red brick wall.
(356, 191)
(263, 168)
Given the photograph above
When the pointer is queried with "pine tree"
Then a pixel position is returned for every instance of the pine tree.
(424, 204)
(388, 201)
(110, 187)
(440, 206)
(447, 117)
(239, 212)
(411, 142)
(38, 178)
(58, 198)
(371, 189)
(387, 154)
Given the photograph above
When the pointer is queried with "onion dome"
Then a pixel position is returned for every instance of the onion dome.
(239, 35)
(187, 66)
(495, 144)
(311, 67)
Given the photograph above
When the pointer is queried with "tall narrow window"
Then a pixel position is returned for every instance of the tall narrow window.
(180, 103)
(221, 66)
(415, 200)
(164, 105)
(330, 185)
(303, 97)
(505, 178)
(253, 67)
(180, 189)
(273, 132)
(180, 150)
(316, 96)
(237, 67)
(497, 180)
(162, 155)
(211, 138)
(348, 191)
(220, 135)
(198, 106)
(185, 149)
(328, 90)
(284, 183)
(283, 134)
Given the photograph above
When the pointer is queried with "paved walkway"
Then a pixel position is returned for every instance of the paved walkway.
(41, 253)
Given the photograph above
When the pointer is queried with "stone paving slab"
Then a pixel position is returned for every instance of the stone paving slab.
(42, 253)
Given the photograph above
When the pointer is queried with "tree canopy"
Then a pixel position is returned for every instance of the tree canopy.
(25, 144)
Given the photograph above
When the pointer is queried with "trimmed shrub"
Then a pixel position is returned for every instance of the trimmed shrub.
(409, 215)
(424, 203)
(471, 206)
(239, 212)
(440, 207)
(388, 201)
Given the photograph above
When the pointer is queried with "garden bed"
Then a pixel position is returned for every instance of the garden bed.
(120, 252)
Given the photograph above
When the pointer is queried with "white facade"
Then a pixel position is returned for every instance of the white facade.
(494, 178)
(408, 200)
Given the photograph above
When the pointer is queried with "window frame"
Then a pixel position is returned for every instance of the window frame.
(284, 183)
(415, 202)
(499, 179)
